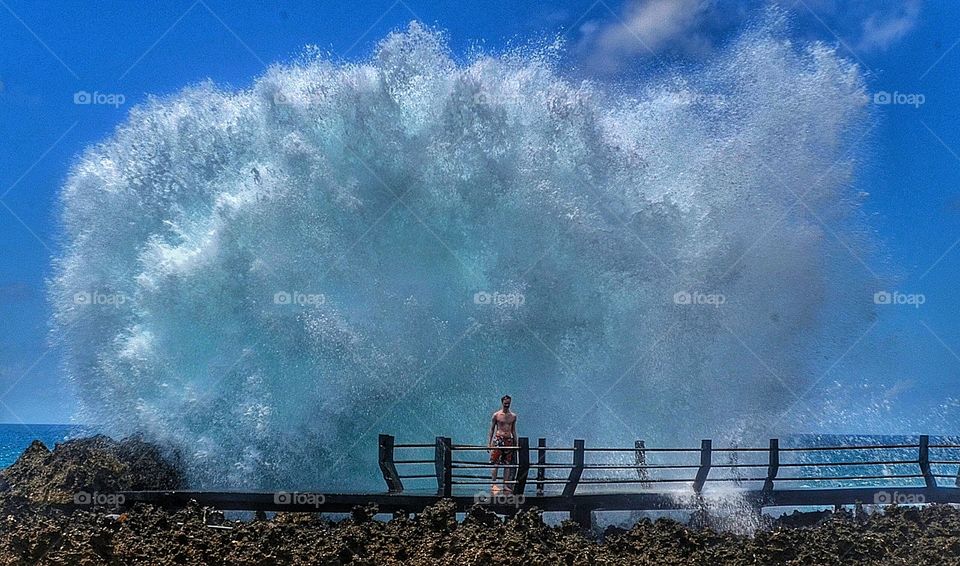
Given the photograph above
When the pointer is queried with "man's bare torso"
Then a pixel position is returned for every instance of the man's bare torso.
(504, 423)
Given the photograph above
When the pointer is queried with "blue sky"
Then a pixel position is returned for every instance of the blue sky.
(53, 52)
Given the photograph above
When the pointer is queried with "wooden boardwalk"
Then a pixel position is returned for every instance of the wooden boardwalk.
(639, 478)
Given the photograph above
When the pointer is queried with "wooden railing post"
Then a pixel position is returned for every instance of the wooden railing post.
(443, 466)
(541, 462)
(523, 465)
(582, 515)
(706, 448)
(387, 466)
(734, 463)
(438, 464)
(640, 456)
(773, 465)
(924, 462)
(571, 486)
(447, 466)
(956, 482)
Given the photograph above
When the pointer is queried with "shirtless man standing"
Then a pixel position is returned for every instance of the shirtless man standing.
(503, 432)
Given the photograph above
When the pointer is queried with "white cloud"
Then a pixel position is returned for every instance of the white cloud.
(646, 28)
(881, 30)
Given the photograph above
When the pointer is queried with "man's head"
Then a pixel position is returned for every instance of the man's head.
(505, 402)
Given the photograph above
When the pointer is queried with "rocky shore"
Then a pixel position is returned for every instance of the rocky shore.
(35, 528)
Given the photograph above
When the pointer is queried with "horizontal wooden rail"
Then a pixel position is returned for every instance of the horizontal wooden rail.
(839, 448)
(657, 480)
(645, 449)
(716, 465)
(654, 467)
(849, 478)
(461, 464)
(482, 448)
(741, 449)
(828, 464)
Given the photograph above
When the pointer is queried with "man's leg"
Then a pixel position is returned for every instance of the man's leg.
(495, 457)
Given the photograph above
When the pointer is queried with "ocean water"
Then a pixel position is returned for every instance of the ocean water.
(15, 438)
(268, 277)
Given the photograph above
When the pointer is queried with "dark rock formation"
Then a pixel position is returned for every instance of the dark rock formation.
(89, 465)
(147, 535)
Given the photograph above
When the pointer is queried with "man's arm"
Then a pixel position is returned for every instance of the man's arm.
(493, 426)
(513, 427)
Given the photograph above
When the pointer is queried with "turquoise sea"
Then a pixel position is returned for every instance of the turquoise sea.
(15, 438)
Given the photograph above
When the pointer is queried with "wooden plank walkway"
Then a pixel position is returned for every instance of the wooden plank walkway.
(684, 485)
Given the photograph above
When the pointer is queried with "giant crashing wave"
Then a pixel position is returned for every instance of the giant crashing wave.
(266, 279)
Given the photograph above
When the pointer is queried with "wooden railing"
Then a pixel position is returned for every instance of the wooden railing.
(452, 465)
(765, 477)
